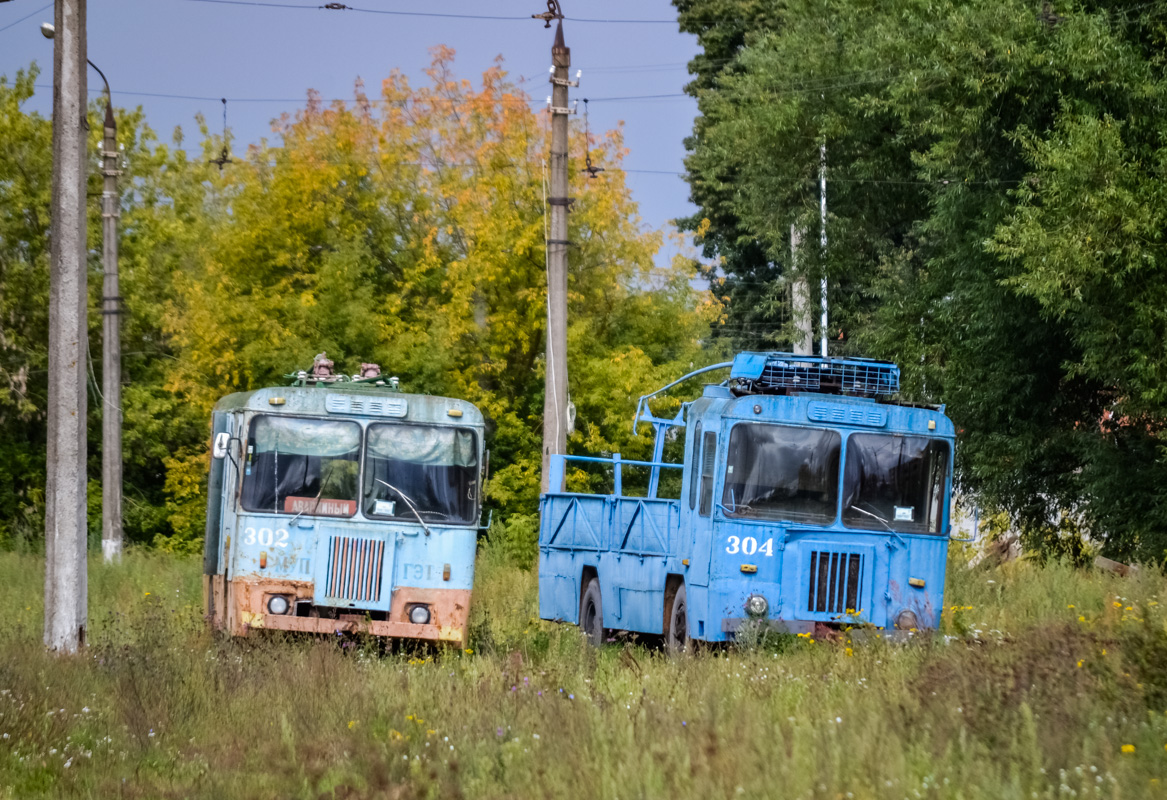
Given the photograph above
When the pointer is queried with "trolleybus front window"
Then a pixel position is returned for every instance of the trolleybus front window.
(424, 471)
(782, 472)
(895, 483)
(302, 466)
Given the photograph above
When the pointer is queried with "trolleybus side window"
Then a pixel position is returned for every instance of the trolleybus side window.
(708, 457)
(782, 472)
(421, 470)
(693, 466)
(302, 466)
(895, 483)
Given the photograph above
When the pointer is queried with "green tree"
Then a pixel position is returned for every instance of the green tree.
(407, 228)
(994, 195)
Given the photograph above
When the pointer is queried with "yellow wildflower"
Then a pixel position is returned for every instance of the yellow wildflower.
(1079, 663)
(1128, 748)
(352, 723)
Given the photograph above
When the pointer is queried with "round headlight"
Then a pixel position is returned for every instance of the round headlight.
(278, 604)
(419, 615)
(906, 620)
(756, 605)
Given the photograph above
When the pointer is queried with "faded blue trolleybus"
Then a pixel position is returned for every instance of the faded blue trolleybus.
(808, 498)
(341, 504)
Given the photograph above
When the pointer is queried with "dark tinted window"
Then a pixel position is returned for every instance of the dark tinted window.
(424, 468)
(708, 458)
(694, 467)
(895, 482)
(782, 472)
(302, 466)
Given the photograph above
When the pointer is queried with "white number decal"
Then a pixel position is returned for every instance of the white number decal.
(266, 537)
(748, 546)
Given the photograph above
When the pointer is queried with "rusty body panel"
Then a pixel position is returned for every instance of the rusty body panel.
(451, 611)
(325, 564)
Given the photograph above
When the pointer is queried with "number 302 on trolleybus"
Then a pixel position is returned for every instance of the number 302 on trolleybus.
(809, 497)
(341, 505)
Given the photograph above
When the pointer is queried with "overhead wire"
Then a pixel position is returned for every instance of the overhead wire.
(441, 15)
(22, 19)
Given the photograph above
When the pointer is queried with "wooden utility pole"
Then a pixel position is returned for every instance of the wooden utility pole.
(111, 359)
(66, 585)
(555, 422)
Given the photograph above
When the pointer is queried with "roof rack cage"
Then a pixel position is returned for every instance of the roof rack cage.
(779, 373)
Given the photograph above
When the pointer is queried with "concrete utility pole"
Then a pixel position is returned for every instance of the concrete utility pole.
(800, 300)
(66, 585)
(555, 402)
(111, 373)
(111, 359)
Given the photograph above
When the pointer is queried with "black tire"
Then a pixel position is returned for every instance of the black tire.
(678, 640)
(591, 613)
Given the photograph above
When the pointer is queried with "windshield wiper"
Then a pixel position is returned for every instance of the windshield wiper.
(408, 502)
(319, 494)
(882, 521)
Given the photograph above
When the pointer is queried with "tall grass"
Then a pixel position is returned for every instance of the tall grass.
(1046, 682)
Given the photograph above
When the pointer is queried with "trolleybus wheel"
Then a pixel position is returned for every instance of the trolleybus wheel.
(591, 614)
(678, 639)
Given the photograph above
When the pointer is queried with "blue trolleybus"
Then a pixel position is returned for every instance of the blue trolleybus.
(339, 505)
(808, 499)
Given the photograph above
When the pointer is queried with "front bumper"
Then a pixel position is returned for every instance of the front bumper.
(732, 624)
(352, 623)
(449, 612)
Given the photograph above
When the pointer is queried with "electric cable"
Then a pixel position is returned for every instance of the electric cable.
(492, 17)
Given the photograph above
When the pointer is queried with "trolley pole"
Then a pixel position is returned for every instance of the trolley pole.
(111, 368)
(66, 585)
(555, 391)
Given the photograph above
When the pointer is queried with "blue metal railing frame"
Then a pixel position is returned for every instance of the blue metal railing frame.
(559, 470)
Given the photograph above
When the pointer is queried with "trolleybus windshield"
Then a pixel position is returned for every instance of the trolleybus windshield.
(421, 471)
(782, 472)
(302, 466)
(894, 483)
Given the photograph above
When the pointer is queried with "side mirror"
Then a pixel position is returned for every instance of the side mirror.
(222, 439)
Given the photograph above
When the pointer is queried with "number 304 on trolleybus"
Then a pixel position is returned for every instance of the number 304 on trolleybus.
(341, 504)
(809, 497)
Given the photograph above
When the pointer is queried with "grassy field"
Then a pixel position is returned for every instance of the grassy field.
(1048, 683)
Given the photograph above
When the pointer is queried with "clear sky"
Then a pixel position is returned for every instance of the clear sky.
(275, 53)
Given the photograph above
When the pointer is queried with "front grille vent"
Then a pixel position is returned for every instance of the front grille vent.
(354, 569)
(370, 406)
(836, 582)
